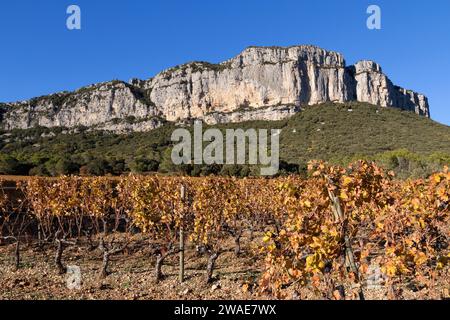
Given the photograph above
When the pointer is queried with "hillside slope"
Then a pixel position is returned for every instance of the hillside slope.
(340, 131)
(402, 140)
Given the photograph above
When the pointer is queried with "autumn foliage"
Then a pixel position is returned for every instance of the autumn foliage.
(325, 233)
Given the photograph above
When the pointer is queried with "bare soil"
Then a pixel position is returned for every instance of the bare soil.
(132, 276)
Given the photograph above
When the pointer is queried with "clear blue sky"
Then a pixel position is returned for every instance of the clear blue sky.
(138, 38)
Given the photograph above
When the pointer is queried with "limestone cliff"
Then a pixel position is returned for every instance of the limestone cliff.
(261, 83)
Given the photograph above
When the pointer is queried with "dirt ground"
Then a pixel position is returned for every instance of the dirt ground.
(132, 276)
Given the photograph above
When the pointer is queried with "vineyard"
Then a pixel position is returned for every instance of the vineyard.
(342, 233)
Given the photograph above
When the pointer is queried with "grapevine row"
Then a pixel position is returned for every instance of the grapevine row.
(324, 232)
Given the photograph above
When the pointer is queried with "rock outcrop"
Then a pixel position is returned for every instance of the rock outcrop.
(261, 83)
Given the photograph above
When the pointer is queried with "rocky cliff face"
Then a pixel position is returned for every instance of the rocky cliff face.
(261, 83)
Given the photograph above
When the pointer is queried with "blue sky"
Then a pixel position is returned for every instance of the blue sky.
(139, 38)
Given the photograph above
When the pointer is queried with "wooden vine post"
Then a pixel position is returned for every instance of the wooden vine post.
(339, 217)
(181, 271)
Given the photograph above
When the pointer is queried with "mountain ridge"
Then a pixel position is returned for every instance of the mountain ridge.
(260, 83)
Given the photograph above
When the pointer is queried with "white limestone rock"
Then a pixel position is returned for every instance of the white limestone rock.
(261, 83)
